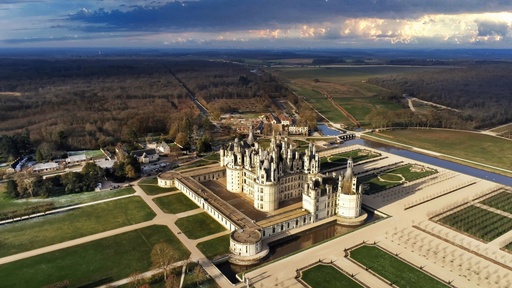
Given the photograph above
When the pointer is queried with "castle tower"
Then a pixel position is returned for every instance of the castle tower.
(349, 198)
(250, 138)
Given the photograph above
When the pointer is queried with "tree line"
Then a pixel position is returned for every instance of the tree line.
(480, 91)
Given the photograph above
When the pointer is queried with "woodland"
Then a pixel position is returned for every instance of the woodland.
(66, 104)
(481, 91)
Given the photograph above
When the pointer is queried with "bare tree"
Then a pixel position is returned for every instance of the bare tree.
(163, 256)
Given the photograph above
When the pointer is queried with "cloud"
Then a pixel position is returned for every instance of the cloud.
(489, 28)
(224, 15)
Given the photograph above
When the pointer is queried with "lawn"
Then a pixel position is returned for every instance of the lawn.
(477, 147)
(393, 269)
(326, 276)
(479, 222)
(175, 203)
(509, 247)
(374, 184)
(155, 189)
(149, 181)
(341, 159)
(501, 201)
(93, 263)
(52, 229)
(215, 247)
(208, 226)
(20, 207)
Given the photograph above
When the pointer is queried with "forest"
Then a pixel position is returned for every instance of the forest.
(86, 103)
(481, 91)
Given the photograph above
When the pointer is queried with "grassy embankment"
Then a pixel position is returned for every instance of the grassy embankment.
(93, 263)
(471, 146)
(347, 86)
(73, 224)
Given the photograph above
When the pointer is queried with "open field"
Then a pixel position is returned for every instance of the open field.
(347, 86)
(189, 225)
(29, 206)
(215, 247)
(341, 159)
(72, 224)
(501, 201)
(504, 131)
(467, 145)
(393, 269)
(175, 203)
(327, 276)
(478, 222)
(94, 263)
(392, 177)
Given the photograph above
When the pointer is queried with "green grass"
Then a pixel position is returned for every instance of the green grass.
(326, 276)
(175, 203)
(107, 260)
(477, 147)
(7, 204)
(393, 269)
(149, 181)
(375, 185)
(88, 153)
(479, 222)
(215, 247)
(190, 226)
(155, 189)
(52, 229)
(341, 159)
(501, 201)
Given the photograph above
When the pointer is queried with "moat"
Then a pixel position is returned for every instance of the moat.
(294, 243)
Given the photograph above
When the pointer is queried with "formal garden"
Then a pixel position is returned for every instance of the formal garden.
(501, 201)
(188, 225)
(215, 247)
(478, 222)
(175, 203)
(375, 183)
(341, 159)
(391, 268)
(72, 224)
(327, 276)
(150, 187)
(93, 263)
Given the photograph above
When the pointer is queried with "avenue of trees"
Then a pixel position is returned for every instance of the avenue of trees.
(482, 92)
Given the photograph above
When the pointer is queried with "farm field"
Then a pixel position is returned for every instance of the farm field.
(327, 276)
(72, 224)
(347, 86)
(188, 225)
(175, 203)
(93, 263)
(393, 269)
(340, 159)
(393, 177)
(478, 222)
(477, 147)
(501, 201)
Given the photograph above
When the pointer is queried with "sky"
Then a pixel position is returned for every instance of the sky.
(257, 24)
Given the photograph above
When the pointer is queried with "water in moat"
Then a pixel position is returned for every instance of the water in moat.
(294, 243)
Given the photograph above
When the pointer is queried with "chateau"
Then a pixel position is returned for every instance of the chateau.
(277, 177)
(280, 172)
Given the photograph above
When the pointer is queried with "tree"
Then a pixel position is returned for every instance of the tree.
(39, 156)
(12, 189)
(92, 175)
(163, 256)
(203, 145)
(72, 182)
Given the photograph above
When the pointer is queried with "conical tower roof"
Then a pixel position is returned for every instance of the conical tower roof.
(250, 138)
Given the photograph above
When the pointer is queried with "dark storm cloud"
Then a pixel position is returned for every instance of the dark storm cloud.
(225, 15)
(487, 28)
